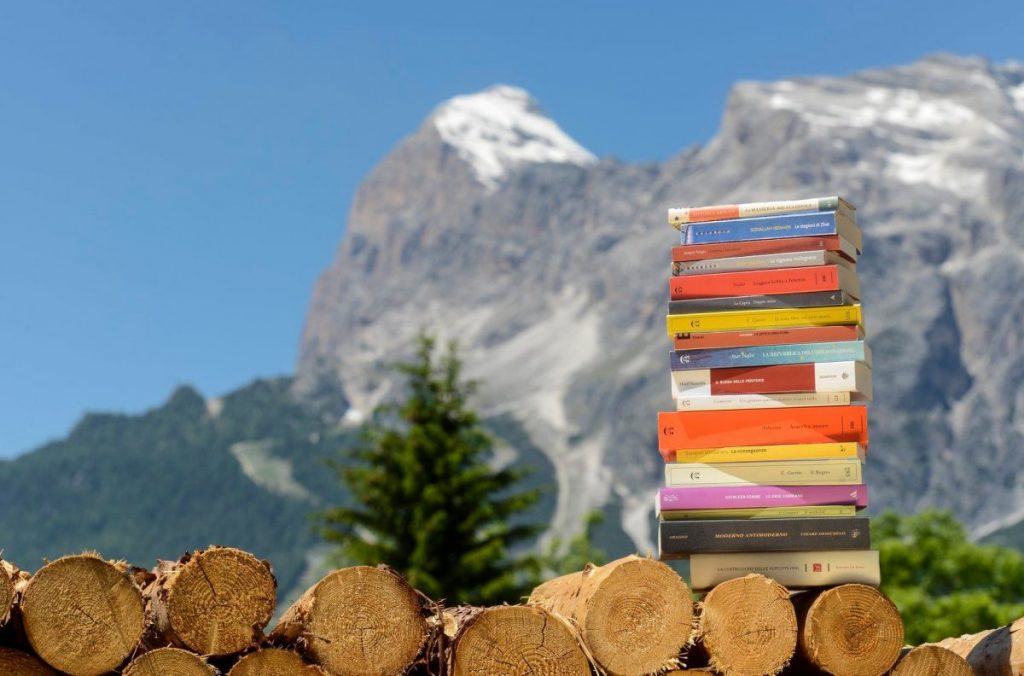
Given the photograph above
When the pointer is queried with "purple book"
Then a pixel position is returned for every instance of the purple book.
(759, 497)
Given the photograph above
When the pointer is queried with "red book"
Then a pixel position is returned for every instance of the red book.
(842, 376)
(699, 252)
(795, 335)
(765, 282)
(715, 429)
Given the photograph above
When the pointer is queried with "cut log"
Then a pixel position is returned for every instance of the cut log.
(83, 615)
(635, 614)
(169, 662)
(514, 641)
(852, 629)
(12, 581)
(932, 660)
(213, 602)
(357, 621)
(274, 662)
(747, 626)
(16, 663)
(995, 652)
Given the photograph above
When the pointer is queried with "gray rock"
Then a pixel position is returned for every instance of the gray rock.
(552, 271)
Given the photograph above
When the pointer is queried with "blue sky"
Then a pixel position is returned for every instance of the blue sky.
(174, 176)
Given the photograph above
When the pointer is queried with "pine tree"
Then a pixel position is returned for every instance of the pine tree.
(425, 500)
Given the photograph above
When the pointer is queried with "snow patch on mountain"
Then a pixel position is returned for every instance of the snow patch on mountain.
(500, 128)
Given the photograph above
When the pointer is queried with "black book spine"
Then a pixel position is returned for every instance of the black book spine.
(680, 539)
(782, 300)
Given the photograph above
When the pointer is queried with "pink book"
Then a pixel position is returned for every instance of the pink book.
(759, 497)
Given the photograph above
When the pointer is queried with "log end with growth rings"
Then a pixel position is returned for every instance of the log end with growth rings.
(635, 614)
(932, 660)
(517, 641)
(83, 615)
(217, 601)
(748, 626)
(358, 621)
(274, 662)
(16, 663)
(852, 629)
(169, 662)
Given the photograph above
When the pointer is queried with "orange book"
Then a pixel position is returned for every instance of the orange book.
(680, 430)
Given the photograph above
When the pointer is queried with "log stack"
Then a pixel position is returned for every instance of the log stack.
(635, 615)
(206, 615)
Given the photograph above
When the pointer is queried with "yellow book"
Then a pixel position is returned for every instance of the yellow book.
(845, 450)
(766, 513)
(735, 320)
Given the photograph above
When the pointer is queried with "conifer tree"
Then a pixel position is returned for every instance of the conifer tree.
(424, 499)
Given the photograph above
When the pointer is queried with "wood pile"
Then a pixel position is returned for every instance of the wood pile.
(207, 615)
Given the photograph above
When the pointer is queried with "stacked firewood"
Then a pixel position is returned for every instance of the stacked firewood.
(207, 614)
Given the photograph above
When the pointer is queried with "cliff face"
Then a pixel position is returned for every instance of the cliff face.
(489, 224)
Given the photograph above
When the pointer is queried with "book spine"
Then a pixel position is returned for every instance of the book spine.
(759, 319)
(793, 259)
(759, 497)
(788, 473)
(767, 513)
(680, 216)
(727, 402)
(699, 252)
(842, 376)
(773, 227)
(770, 426)
(804, 334)
(682, 538)
(853, 350)
(756, 282)
(793, 570)
(778, 301)
(845, 450)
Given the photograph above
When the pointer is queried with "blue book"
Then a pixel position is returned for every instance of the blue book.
(817, 224)
(770, 355)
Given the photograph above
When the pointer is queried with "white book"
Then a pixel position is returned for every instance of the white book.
(795, 570)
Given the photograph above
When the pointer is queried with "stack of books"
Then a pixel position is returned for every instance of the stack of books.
(770, 372)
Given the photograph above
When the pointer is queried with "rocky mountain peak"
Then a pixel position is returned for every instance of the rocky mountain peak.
(499, 129)
(492, 226)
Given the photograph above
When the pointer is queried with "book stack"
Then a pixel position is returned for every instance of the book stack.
(770, 371)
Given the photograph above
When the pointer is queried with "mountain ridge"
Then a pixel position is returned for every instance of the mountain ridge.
(554, 281)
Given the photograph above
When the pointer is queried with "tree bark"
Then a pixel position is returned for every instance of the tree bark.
(852, 629)
(995, 652)
(213, 602)
(513, 641)
(635, 614)
(747, 626)
(17, 663)
(9, 577)
(359, 621)
(82, 615)
(169, 662)
(12, 581)
(932, 660)
(274, 662)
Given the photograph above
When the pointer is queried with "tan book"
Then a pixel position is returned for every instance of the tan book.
(795, 570)
(832, 472)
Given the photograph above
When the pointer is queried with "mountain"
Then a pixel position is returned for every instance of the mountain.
(489, 224)
(245, 470)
